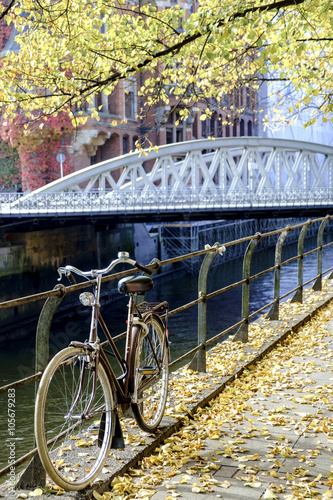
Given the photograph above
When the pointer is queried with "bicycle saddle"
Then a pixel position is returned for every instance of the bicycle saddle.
(135, 284)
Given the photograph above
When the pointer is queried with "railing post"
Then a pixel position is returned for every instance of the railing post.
(34, 475)
(273, 313)
(317, 287)
(198, 363)
(298, 297)
(242, 333)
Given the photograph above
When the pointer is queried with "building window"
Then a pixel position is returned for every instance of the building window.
(242, 128)
(130, 98)
(234, 129)
(112, 103)
(220, 126)
(249, 128)
(169, 136)
(125, 144)
(175, 128)
(99, 101)
(212, 125)
(204, 131)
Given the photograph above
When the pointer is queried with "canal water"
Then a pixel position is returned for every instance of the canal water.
(17, 359)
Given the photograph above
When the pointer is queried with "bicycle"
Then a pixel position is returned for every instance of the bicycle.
(76, 411)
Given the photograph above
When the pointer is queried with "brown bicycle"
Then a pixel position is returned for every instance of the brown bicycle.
(76, 412)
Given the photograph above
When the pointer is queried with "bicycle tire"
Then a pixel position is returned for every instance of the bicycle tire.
(149, 409)
(74, 460)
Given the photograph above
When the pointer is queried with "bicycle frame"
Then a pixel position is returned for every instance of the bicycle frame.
(134, 323)
(81, 394)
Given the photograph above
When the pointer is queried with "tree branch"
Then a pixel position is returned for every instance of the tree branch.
(191, 38)
(7, 9)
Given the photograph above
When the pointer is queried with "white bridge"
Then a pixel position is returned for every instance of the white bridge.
(201, 178)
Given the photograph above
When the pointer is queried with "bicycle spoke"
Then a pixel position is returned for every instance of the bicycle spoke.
(68, 442)
(151, 376)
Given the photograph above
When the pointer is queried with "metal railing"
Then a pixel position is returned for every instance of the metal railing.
(138, 201)
(54, 298)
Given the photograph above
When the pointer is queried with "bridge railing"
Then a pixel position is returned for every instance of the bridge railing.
(159, 200)
(197, 355)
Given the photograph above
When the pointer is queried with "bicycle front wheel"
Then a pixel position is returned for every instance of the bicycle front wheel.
(72, 442)
(151, 373)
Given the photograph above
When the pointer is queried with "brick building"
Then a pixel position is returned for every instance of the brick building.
(119, 126)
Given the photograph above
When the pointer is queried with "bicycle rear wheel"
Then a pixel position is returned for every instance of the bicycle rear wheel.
(151, 373)
(73, 446)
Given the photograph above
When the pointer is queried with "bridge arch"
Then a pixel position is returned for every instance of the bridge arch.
(223, 178)
(229, 164)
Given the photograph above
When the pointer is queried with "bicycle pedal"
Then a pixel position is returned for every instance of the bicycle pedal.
(147, 370)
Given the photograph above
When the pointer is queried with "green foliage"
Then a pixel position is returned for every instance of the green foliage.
(10, 177)
(76, 49)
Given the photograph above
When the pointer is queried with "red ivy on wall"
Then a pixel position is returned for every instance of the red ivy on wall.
(38, 142)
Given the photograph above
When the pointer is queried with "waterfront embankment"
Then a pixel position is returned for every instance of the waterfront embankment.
(199, 448)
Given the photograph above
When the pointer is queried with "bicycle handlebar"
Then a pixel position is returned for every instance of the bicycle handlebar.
(123, 257)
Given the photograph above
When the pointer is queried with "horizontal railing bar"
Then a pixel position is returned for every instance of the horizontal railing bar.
(255, 313)
(327, 245)
(38, 375)
(19, 461)
(224, 289)
(225, 332)
(262, 273)
(21, 382)
(30, 298)
(328, 270)
(185, 306)
(289, 293)
(187, 355)
(309, 252)
(78, 286)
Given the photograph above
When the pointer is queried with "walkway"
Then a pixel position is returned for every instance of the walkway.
(267, 434)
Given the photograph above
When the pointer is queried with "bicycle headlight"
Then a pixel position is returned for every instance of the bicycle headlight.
(86, 298)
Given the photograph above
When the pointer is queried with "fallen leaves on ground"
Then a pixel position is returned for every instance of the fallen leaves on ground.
(244, 412)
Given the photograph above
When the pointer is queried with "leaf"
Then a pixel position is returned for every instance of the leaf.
(97, 495)
(269, 495)
(36, 493)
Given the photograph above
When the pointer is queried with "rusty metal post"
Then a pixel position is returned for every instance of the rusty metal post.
(242, 333)
(273, 313)
(198, 363)
(298, 297)
(317, 287)
(34, 475)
